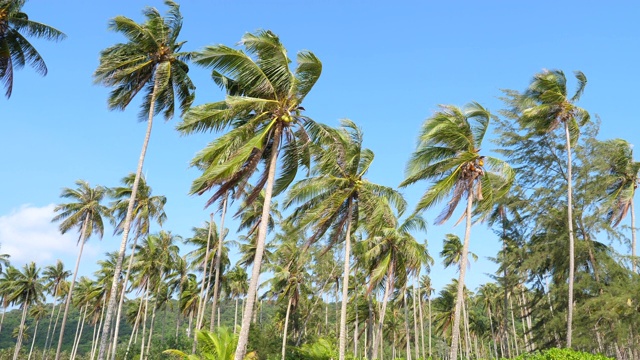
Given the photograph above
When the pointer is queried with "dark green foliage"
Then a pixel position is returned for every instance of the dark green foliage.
(562, 354)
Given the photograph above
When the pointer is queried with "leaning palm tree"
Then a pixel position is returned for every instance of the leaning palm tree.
(622, 182)
(37, 313)
(15, 50)
(266, 120)
(26, 290)
(85, 212)
(544, 107)
(150, 62)
(335, 195)
(448, 154)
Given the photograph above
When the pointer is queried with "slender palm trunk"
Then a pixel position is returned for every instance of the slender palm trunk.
(430, 326)
(513, 325)
(53, 332)
(467, 340)
(493, 334)
(33, 341)
(94, 347)
(571, 240)
(633, 237)
(455, 331)
(243, 339)
(53, 312)
(286, 327)
(421, 313)
(77, 342)
(355, 334)
(407, 336)
(235, 318)
(387, 291)
(25, 308)
(144, 320)
(345, 285)
(415, 324)
(135, 328)
(202, 300)
(111, 307)
(153, 319)
(216, 283)
(116, 328)
(4, 310)
(82, 240)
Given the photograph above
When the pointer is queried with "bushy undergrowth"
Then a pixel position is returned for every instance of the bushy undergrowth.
(562, 354)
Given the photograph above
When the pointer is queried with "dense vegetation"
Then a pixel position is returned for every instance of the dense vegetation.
(348, 277)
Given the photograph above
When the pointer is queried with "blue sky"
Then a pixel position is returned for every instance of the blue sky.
(386, 65)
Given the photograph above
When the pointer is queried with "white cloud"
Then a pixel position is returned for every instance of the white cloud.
(27, 234)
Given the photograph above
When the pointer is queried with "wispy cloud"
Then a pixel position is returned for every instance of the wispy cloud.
(27, 234)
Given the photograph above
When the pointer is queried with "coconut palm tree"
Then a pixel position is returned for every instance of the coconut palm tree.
(335, 194)
(393, 257)
(266, 120)
(452, 251)
(150, 62)
(26, 289)
(15, 50)
(85, 212)
(146, 209)
(621, 187)
(55, 276)
(544, 107)
(448, 154)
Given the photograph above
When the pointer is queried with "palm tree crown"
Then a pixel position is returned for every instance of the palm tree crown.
(15, 50)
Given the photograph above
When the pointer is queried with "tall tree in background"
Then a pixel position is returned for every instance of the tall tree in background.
(448, 154)
(15, 50)
(265, 120)
(621, 186)
(544, 107)
(150, 62)
(55, 276)
(335, 194)
(26, 289)
(85, 212)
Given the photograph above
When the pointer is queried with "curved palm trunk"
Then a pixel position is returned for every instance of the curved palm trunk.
(415, 324)
(243, 340)
(216, 283)
(421, 313)
(144, 321)
(493, 334)
(25, 308)
(153, 319)
(116, 328)
(55, 326)
(345, 286)
(79, 336)
(33, 341)
(286, 326)
(111, 307)
(633, 237)
(135, 329)
(455, 331)
(571, 240)
(70, 293)
(407, 336)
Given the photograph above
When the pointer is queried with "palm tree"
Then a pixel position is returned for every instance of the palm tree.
(621, 187)
(86, 214)
(16, 50)
(452, 251)
(55, 276)
(335, 194)
(448, 154)
(266, 118)
(394, 256)
(544, 107)
(26, 290)
(146, 208)
(150, 62)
